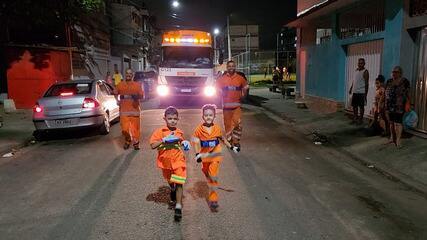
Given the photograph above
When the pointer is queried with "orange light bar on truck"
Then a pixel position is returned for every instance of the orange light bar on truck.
(187, 38)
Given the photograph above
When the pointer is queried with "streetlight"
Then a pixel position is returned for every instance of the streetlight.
(175, 4)
(216, 32)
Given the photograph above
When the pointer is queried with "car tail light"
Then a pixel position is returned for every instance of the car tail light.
(37, 108)
(209, 91)
(90, 103)
(162, 90)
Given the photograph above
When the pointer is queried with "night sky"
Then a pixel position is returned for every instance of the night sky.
(206, 14)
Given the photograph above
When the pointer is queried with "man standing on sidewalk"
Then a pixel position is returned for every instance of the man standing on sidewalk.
(130, 110)
(359, 88)
(234, 88)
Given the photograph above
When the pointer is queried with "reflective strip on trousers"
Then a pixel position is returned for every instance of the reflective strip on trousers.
(130, 114)
(213, 179)
(213, 188)
(127, 97)
(178, 179)
(232, 105)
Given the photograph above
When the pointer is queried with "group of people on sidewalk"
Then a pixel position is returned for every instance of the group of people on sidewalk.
(391, 102)
(170, 141)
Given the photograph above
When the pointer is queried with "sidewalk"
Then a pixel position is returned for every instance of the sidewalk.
(407, 165)
(17, 130)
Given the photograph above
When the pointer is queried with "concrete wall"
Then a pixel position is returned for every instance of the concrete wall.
(392, 35)
(325, 75)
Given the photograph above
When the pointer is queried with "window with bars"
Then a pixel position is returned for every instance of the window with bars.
(323, 35)
(418, 8)
(361, 20)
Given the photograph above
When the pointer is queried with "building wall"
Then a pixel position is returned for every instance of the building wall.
(325, 67)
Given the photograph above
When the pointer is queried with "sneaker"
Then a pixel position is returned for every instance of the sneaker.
(126, 146)
(136, 146)
(178, 214)
(213, 205)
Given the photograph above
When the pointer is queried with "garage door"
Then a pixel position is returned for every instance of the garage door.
(372, 53)
(421, 85)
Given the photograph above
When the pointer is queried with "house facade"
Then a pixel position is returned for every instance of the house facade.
(333, 34)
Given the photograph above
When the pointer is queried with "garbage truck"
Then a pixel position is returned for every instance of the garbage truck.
(186, 67)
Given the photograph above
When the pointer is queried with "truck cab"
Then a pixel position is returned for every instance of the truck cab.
(186, 67)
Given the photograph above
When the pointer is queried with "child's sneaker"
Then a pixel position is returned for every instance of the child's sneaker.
(126, 146)
(136, 146)
(178, 214)
(213, 205)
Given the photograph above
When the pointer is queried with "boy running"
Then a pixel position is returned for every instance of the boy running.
(170, 143)
(206, 139)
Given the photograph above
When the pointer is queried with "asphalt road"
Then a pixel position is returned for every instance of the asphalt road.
(281, 186)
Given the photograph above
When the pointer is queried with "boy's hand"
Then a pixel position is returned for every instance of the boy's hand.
(186, 145)
(235, 149)
(171, 138)
(198, 158)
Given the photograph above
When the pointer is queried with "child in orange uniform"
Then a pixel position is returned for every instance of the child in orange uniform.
(206, 140)
(170, 143)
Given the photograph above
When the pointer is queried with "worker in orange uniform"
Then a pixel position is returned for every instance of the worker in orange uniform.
(130, 94)
(170, 143)
(206, 140)
(234, 88)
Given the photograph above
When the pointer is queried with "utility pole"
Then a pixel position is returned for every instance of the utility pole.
(277, 49)
(228, 38)
(70, 51)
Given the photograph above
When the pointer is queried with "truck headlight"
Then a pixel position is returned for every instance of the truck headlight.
(162, 90)
(209, 91)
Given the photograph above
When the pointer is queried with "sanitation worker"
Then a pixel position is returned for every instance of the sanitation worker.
(130, 94)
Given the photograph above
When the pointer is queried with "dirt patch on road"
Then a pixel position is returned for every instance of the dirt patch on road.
(162, 196)
(199, 190)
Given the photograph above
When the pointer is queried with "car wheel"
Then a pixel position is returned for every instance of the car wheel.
(39, 135)
(105, 127)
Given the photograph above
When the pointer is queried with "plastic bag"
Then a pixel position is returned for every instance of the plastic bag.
(410, 120)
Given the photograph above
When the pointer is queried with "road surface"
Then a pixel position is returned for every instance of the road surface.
(281, 186)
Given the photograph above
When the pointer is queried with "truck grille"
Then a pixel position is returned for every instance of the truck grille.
(185, 81)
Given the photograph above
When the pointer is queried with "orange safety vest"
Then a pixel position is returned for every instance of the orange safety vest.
(169, 156)
(128, 106)
(210, 142)
(232, 87)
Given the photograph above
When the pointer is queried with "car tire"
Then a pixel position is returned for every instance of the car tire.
(39, 135)
(105, 127)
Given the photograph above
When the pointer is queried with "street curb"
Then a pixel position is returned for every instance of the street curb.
(393, 175)
(25, 143)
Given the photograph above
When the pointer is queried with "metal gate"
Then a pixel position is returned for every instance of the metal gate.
(372, 53)
(421, 85)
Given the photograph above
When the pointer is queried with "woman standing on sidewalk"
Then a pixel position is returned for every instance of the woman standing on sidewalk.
(396, 103)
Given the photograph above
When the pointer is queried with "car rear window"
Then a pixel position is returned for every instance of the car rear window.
(69, 88)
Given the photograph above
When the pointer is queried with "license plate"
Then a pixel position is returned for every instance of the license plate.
(64, 122)
(186, 90)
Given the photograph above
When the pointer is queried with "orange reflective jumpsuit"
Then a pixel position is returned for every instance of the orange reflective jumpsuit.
(209, 140)
(130, 110)
(170, 157)
(232, 87)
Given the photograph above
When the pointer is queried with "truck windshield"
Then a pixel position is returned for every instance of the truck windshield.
(187, 57)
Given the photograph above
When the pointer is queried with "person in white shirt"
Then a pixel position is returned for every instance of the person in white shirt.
(359, 88)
